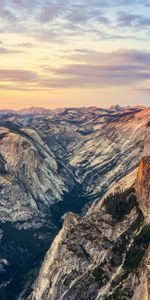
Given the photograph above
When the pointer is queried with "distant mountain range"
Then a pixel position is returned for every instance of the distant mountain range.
(44, 111)
(57, 161)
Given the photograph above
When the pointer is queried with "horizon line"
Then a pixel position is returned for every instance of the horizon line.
(72, 107)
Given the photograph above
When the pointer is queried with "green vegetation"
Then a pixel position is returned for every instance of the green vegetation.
(120, 204)
(123, 241)
(2, 166)
(99, 274)
(118, 294)
(24, 251)
(137, 250)
(73, 201)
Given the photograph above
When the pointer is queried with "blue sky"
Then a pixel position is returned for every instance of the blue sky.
(74, 53)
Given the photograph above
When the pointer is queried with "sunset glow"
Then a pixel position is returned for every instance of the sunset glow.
(74, 53)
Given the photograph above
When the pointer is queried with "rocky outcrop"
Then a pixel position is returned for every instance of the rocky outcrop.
(142, 291)
(105, 253)
(52, 162)
(86, 259)
(48, 155)
(143, 185)
(143, 180)
(29, 185)
(31, 179)
(143, 195)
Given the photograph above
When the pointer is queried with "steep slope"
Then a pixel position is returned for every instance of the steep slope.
(104, 254)
(96, 146)
(99, 146)
(29, 185)
(31, 176)
(143, 195)
(112, 151)
(52, 162)
(143, 180)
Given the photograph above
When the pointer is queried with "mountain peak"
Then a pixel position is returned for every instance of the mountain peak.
(34, 111)
(116, 107)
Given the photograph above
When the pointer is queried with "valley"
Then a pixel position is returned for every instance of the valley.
(53, 163)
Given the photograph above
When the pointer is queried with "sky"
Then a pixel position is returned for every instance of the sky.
(74, 53)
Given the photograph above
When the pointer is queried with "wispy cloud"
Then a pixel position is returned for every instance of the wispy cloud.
(78, 13)
(40, 31)
(59, 19)
(90, 69)
(24, 45)
(4, 50)
(17, 75)
(132, 19)
(7, 15)
(98, 69)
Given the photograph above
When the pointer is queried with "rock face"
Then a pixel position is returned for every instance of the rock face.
(104, 254)
(143, 185)
(28, 177)
(143, 180)
(52, 162)
(29, 185)
(143, 195)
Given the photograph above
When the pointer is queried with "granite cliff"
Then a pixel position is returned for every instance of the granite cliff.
(53, 162)
(104, 254)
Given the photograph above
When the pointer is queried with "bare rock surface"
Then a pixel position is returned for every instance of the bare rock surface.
(53, 162)
(104, 254)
